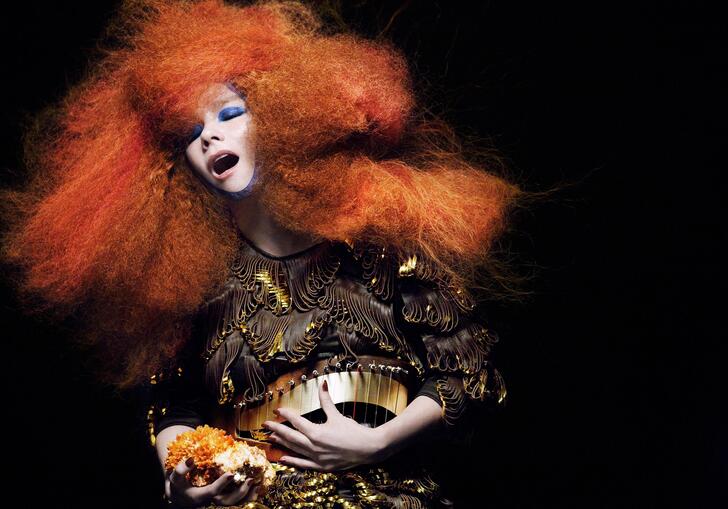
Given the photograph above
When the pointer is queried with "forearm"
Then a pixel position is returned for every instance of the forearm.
(422, 417)
(166, 436)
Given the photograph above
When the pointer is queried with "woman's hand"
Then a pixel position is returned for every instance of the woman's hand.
(338, 444)
(224, 491)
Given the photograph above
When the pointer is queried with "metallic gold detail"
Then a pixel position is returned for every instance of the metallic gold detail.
(407, 268)
(267, 342)
(278, 286)
(360, 312)
(420, 267)
(379, 270)
(151, 424)
(227, 390)
(466, 351)
(344, 386)
(477, 385)
(453, 399)
(276, 297)
(311, 337)
(432, 308)
(364, 488)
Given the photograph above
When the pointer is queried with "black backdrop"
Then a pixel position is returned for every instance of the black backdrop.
(613, 366)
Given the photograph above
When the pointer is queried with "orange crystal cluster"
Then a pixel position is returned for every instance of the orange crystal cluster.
(215, 452)
(200, 444)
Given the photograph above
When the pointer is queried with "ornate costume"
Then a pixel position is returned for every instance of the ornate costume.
(340, 302)
(116, 228)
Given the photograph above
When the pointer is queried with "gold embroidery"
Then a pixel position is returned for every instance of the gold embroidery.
(466, 351)
(227, 390)
(273, 295)
(378, 271)
(476, 386)
(453, 400)
(375, 487)
(280, 285)
(407, 268)
(311, 336)
(432, 308)
(419, 267)
(347, 304)
(266, 341)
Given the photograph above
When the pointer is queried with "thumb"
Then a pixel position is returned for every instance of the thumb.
(326, 402)
(180, 471)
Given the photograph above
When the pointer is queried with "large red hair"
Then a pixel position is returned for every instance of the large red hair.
(112, 222)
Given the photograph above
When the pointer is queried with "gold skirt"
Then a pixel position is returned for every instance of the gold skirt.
(387, 485)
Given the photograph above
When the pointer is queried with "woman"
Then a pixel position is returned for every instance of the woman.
(235, 195)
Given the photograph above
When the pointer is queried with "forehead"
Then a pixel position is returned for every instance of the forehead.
(216, 96)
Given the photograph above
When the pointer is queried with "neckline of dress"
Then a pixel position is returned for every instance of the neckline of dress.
(266, 254)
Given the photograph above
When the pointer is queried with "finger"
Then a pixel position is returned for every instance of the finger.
(326, 402)
(236, 495)
(252, 494)
(300, 423)
(290, 435)
(301, 462)
(179, 474)
(277, 439)
(219, 485)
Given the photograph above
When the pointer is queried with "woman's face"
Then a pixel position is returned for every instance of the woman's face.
(221, 147)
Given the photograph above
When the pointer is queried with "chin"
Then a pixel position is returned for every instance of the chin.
(236, 188)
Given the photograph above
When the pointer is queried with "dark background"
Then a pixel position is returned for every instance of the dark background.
(615, 364)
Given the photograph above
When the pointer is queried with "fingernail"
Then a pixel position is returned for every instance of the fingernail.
(190, 461)
(326, 385)
(275, 411)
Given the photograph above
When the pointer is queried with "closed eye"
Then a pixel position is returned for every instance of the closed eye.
(230, 112)
(225, 114)
(196, 131)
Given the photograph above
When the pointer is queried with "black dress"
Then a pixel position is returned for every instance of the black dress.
(341, 301)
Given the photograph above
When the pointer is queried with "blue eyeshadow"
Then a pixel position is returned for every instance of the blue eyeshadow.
(230, 112)
(196, 131)
(225, 114)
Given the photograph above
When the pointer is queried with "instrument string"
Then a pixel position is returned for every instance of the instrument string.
(268, 405)
(300, 399)
(379, 386)
(343, 406)
(356, 393)
(396, 399)
(389, 392)
(369, 386)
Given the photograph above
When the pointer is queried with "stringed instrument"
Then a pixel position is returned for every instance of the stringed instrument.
(371, 390)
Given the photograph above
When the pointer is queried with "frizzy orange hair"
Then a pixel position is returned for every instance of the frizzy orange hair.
(113, 224)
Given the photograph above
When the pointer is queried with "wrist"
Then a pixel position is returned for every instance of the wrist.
(385, 443)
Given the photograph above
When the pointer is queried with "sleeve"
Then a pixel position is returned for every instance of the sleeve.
(179, 396)
(456, 344)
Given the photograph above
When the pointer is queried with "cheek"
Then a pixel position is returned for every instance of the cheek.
(242, 131)
(194, 159)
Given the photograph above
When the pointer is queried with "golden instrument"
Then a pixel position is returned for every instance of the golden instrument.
(371, 390)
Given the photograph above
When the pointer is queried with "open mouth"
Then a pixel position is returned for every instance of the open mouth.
(224, 163)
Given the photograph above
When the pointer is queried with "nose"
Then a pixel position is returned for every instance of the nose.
(210, 133)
